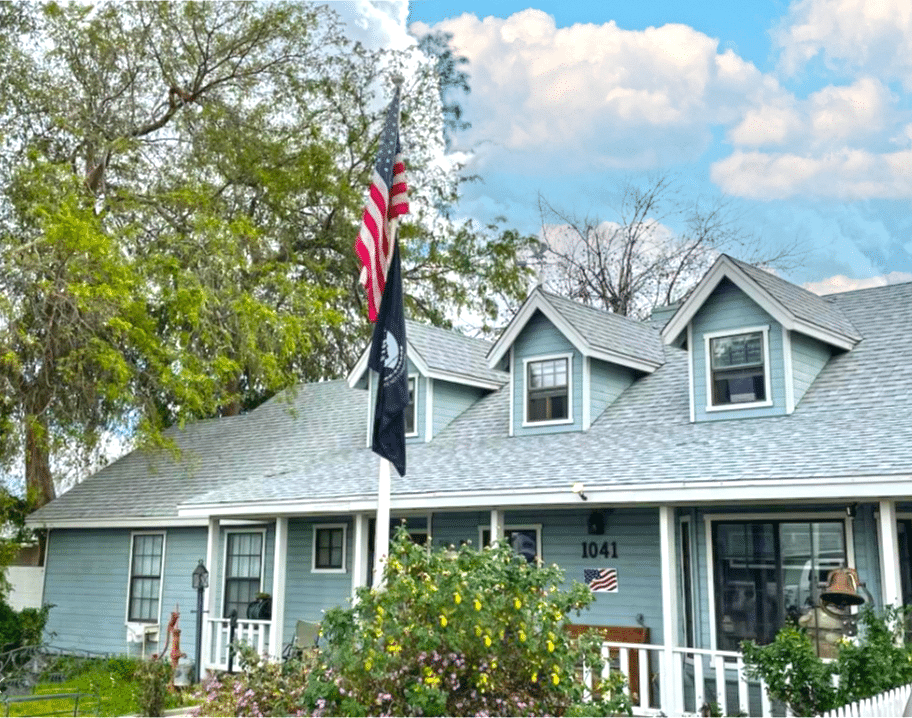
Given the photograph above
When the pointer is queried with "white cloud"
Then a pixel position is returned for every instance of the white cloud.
(376, 23)
(871, 36)
(842, 283)
(595, 95)
(846, 174)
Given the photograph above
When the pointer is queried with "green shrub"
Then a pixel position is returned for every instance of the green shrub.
(153, 679)
(877, 661)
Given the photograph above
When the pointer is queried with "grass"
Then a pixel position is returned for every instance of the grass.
(110, 684)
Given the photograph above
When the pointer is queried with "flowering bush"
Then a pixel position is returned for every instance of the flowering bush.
(263, 688)
(451, 633)
(456, 633)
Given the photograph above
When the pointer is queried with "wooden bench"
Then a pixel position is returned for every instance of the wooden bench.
(620, 634)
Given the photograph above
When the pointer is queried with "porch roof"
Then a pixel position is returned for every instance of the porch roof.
(854, 424)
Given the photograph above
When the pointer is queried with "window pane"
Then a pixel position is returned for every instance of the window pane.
(330, 548)
(145, 577)
(410, 410)
(243, 568)
(547, 390)
(768, 572)
(742, 350)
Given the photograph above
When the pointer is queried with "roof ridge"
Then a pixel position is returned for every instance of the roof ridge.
(606, 312)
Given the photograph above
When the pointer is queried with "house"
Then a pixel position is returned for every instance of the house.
(721, 461)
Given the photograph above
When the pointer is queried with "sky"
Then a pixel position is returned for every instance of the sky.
(797, 113)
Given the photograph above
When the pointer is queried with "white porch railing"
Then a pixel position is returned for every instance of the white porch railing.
(697, 677)
(895, 702)
(254, 633)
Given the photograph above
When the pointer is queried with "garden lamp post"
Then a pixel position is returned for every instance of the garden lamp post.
(200, 583)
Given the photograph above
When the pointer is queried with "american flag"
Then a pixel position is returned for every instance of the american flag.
(601, 579)
(387, 199)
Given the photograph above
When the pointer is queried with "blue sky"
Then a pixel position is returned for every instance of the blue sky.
(799, 112)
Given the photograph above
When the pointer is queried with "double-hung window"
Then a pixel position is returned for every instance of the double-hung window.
(146, 560)
(329, 548)
(548, 390)
(243, 570)
(738, 369)
(768, 572)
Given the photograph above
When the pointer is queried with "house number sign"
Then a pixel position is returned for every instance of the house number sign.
(594, 549)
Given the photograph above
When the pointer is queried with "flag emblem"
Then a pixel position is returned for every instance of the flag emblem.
(387, 199)
(601, 579)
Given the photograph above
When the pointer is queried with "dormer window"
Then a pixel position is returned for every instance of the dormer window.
(548, 390)
(411, 418)
(738, 369)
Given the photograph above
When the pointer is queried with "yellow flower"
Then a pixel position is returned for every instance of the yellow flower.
(555, 678)
(517, 603)
(522, 636)
(443, 621)
(477, 605)
(368, 665)
(457, 599)
(535, 676)
(487, 641)
(550, 646)
(478, 631)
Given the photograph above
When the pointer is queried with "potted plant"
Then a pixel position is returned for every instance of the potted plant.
(260, 608)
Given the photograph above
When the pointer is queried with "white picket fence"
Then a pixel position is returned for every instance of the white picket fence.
(895, 702)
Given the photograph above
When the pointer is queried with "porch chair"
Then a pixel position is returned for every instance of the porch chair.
(307, 637)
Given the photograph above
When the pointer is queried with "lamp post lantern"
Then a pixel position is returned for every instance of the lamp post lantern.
(200, 582)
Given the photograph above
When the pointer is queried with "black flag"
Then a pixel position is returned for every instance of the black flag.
(387, 358)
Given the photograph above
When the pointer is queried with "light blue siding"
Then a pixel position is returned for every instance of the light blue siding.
(729, 309)
(608, 382)
(809, 356)
(450, 400)
(86, 581)
(541, 338)
(309, 594)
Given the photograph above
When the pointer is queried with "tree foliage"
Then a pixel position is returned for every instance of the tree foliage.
(182, 185)
(650, 254)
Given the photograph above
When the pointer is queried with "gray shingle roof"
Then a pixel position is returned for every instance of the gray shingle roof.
(805, 305)
(452, 352)
(611, 332)
(855, 420)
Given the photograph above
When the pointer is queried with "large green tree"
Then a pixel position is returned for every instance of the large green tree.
(182, 185)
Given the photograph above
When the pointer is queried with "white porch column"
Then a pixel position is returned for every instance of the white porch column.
(359, 552)
(279, 572)
(497, 525)
(889, 555)
(668, 561)
(381, 535)
(212, 545)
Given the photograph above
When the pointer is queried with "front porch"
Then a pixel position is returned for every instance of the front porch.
(679, 672)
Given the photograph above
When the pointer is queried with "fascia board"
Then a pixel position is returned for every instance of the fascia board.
(132, 522)
(624, 360)
(536, 301)
(812, 330)
(465, 380)
(760, 492)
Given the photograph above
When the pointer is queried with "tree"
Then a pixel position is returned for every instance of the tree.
(182, 185)
(638, 261)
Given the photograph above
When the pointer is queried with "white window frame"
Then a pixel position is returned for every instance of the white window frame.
(415, 432)
(515, 527)
(161, 576)
(767, 382)
(710, 519)
(239, 530)
(313, 559)
(548, 357)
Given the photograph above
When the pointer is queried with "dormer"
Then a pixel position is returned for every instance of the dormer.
(755, 342)
(448, 372)
(568, 362)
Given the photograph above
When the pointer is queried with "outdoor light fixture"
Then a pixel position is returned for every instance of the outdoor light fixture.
(200, 577)
(577, 488)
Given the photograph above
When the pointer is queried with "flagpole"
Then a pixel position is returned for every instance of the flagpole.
(382, 529)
